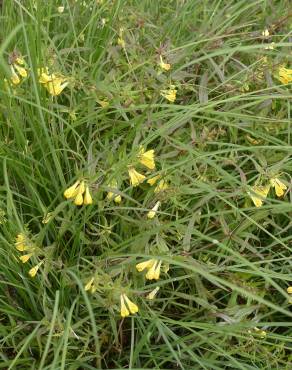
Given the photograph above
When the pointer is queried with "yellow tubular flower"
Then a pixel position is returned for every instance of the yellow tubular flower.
(279, 186)
(162, 185)
(124, 311)
(154, 272)
(259, 194)
(72, 191)
(33, 271)
(153, 293)
(22, 71)
(136, 178)
(145, 265)
(165, 66)
(153, 180)
(89, 284)
(87, 196)
(55, 84)
(14, 76)
(151, 214)
(25, 257)
(289, 290)
(169, 94)
(78, 201)
(111, 195)
(133, 308)
(284, 75)
(147, 158)
(20, 243)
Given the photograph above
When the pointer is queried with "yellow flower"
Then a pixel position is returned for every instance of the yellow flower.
(259, 193)
(78, 201)
(111, 195)
(14, 76)
(21, 70)
(266, 33)
(153, 293)
(89, 284)
(33, 271)
(55, 84)
(165, 66)
(87, 197)
(153, 180)
(145, 265)
(289, 290)
(60, 9)
(147, 158)
(279, 186)
(25, 257)
(124, 311)
(284, 75)
(151, 214)
(47, 218)
(121, 42)
(21, 243)
(154, 272)
(162, 185)
(72, 191)
(127, 306)
(169, 94)
(103, 103)
(136, 178)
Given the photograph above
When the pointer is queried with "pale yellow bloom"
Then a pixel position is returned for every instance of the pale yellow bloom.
(279, 186)
(87, 197)
(145, 265)
(21, 70)
(21, 243)
(78, 201)
(133, 308)
(289, 290)
(284, 75)
(162, 65)
(121, 42)
(124, 311)
(153, 180)
(72, 191)
(61, 9)
(169, 94)
(162, 185)
(55, 84)
(147, 158)
(260, 332)
(25, 257)
(136, 178)
(89, 284)
(103, 103)
(33, 271)
(153, 293)
(266, 33)
(47, 218)
(111, 195)
(151, 214)
(154, 272)
(258, 194)
(14, 76)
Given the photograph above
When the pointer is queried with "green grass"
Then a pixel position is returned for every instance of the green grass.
(230, 126)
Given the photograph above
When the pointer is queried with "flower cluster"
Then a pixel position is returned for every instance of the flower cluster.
(80, 192)
(55, 83)
(260, 192)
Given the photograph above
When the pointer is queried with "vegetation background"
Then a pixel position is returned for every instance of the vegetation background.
(223, 302)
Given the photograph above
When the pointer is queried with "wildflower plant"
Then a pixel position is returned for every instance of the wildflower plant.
(145, 185)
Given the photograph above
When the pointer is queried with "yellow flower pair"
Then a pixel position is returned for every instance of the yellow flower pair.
(54, 83)
(146, 158)
(259, 193)
(80, 192)
(127, 306)
(18, 71)
(111, 195)
(153, 267)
